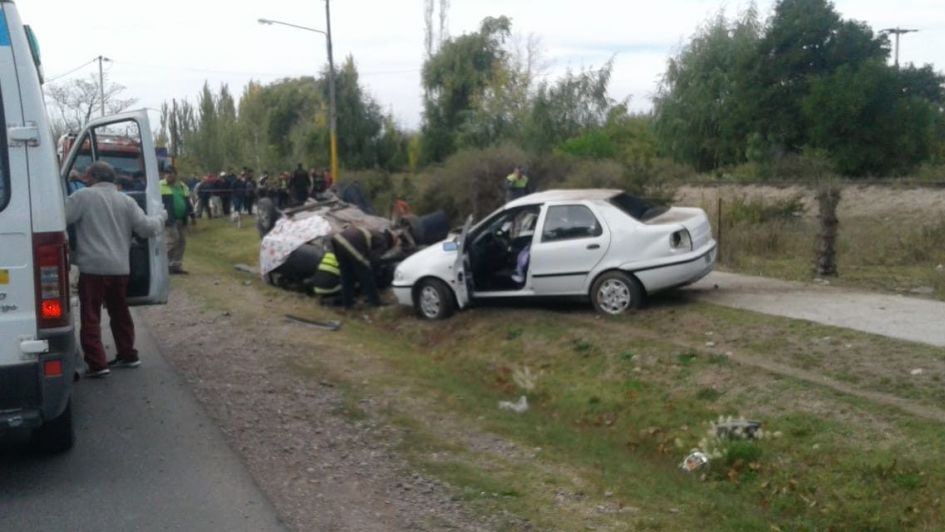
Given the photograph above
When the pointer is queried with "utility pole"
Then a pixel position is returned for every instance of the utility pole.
(897, 32)
(331, 95)
(101, 82)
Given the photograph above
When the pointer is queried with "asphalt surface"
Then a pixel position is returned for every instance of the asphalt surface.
(905, 318)
(147, 457)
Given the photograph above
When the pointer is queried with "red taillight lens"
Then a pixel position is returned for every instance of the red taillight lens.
(51, 309)
(52, 368)
(51, 261)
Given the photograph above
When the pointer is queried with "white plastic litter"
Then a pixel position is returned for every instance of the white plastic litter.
(694, 461)
(519, 407)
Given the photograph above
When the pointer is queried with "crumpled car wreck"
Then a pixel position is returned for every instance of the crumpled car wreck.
(294, 240)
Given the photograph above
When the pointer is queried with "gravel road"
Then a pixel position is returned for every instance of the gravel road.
(904, 318)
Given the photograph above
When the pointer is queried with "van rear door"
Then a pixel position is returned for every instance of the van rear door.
(124, 141)
(17, 287)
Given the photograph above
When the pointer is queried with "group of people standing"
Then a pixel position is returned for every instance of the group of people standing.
(227, 192)
(223, 193)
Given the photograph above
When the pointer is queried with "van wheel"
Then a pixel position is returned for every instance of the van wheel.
(56, 435)
(433, 300)
(614, 293)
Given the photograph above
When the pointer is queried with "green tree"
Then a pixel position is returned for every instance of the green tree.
(805, 39)
(454, 79)
(871, 119)
(207, 135)
(572, 105)
(704, 108)
(360, 121)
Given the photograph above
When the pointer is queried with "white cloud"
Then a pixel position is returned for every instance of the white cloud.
(167, 49)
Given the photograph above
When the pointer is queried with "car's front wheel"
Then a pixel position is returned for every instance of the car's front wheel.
(615, 292)
(434, 300)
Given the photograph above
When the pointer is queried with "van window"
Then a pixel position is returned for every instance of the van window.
(4, 160)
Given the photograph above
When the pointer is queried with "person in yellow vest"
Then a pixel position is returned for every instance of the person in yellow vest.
(516, 184)
(176, 198)
(327, 279)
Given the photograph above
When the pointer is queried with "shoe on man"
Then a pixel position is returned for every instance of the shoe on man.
(97, 373)
(122, 363)
(179, 271)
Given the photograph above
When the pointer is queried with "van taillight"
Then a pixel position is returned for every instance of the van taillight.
(51, 263)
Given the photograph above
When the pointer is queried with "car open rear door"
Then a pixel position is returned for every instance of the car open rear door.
(125, 142)
(461, 282)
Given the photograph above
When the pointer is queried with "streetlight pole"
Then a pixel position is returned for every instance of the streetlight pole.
(332, 116)
(331, 95)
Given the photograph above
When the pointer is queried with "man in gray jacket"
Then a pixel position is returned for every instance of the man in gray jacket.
(105, 219)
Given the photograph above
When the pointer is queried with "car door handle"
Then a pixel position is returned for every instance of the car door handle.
(593, 246)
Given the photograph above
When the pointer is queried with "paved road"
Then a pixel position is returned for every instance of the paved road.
(147, 458)
(906, 318)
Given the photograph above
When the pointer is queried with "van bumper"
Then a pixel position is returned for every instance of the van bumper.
(27, 397)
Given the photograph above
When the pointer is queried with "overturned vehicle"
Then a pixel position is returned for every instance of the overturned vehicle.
(295, 239)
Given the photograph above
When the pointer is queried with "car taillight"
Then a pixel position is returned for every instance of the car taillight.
(51, 263)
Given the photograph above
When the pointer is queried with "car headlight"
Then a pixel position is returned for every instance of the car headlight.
(680, 240)
(399, 275)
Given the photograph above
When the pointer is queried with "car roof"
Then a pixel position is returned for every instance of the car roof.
(564, 195)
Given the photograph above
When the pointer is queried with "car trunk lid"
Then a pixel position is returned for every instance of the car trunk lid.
(693, 219)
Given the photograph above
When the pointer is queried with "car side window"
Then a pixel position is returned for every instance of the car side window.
(565, 222)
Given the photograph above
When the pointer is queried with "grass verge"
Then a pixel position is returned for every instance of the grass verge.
(616, 404)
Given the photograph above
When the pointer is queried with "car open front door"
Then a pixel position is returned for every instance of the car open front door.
(461, 281)
(125, 142)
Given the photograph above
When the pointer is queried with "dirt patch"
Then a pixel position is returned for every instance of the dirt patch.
(326, 464)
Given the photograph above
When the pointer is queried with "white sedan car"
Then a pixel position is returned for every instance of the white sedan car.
(605, 245)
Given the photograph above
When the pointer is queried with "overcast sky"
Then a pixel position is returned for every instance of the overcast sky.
(167, 49)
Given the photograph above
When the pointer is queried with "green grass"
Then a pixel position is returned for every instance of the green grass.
(619, 402)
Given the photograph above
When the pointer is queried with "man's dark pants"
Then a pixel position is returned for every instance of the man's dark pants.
(110, 291)
(353, 270)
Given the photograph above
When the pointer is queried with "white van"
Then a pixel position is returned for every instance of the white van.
(38, 353)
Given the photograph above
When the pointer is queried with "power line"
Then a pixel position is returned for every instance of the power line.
(83, 65)
(246, 73)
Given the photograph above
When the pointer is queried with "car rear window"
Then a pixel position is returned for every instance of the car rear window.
(4, 161)
(638, 208)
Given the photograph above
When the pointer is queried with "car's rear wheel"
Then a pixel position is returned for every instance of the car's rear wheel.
(56, 435)
(614, 293)
(434, 300)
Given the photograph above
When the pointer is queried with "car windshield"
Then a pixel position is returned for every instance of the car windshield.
(127, 165)
(638, 208)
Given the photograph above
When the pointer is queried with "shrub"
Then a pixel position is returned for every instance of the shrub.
(376, 185)
(471, 181)
(756, 210)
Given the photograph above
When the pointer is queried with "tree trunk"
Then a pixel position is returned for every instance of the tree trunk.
(828, 197)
